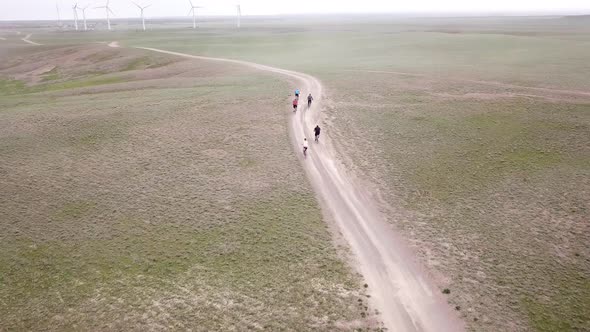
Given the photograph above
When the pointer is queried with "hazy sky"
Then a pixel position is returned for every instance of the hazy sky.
(46, 9)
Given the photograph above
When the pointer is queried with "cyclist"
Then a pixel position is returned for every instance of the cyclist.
(305, 147)
(295, 103)
(297, 92)
(317, 131)
(309, 100)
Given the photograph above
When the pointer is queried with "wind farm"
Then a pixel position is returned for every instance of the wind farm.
(124, 22)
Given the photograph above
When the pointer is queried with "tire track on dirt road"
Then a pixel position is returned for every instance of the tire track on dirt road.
(399, 287)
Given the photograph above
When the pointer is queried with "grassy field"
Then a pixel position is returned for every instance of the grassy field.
(486, 165)
(475, 131)
(145, 192)
(490, 188)
(485, 48)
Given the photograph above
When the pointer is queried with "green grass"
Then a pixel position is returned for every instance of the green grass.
(145, 62)
(51, 75)
(138, 63)
(487, 148)
(16, 87)
(80, 83)
(74, 210)
(570, 294)
(12, 87)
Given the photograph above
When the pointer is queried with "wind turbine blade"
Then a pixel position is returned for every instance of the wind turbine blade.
(191, 2)
(190, 11)
(110, 11)
(147, 6)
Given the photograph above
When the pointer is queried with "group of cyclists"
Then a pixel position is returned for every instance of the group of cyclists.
(317, 128)
(296, 100)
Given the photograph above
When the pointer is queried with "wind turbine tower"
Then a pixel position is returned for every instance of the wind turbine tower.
(58, 15)
(83, 9)
(194, 11)
(239, 15)
(75, 9)
(142, 17)
(108, 11)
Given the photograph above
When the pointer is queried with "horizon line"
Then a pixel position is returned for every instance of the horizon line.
(411, 14)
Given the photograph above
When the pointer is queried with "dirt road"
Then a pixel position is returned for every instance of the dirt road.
(399, 287)
(27, 40)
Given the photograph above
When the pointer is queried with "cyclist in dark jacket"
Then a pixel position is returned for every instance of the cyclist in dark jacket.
(317, 131)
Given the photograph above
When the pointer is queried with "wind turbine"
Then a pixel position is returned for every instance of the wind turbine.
(75, 8)
(107, 10)
(142, 17)
(194, 11)
(58, 15)
(83, 9)
(239, 15)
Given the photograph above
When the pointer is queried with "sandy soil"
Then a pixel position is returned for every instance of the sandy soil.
(399, 287)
